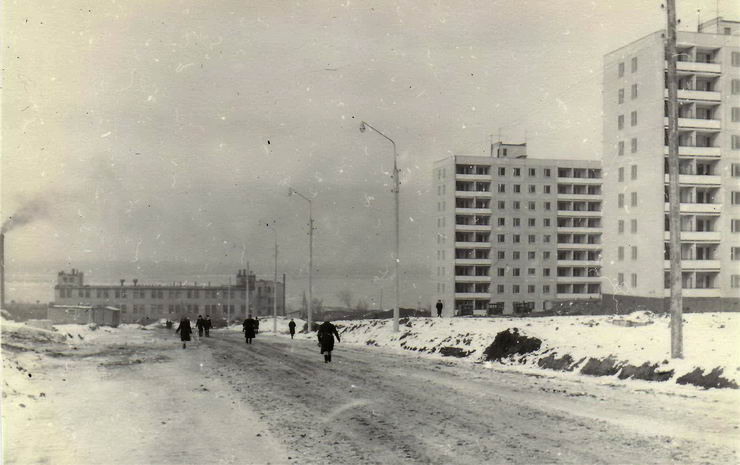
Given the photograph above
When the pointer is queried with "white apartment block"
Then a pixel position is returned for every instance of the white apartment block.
(515, 232)
(635, 250)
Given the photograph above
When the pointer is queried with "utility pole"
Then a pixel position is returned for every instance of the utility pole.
(246, 286)
(274, 293)
(228, 305)
(674, 210)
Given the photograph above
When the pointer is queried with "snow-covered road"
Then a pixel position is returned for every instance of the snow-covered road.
(135, 397)
(377, 406)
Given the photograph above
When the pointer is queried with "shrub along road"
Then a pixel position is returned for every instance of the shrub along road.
(376, 406)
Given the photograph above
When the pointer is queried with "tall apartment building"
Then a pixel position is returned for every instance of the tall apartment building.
(138, 301)
(636, 252)
(516, 232)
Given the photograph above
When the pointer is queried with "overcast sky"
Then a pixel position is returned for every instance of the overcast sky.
(169, 131)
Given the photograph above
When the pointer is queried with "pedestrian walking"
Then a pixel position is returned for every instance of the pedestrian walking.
(248, 329)
(256, 325)
(439, 306)
(208, 324)
(291, 328)
(326, 334)
(200, 324)
(184, 329)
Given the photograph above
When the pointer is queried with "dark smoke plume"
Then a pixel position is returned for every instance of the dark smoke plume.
(37, 208)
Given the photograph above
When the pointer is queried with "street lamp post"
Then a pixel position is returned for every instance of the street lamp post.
(309, 315)
(397, 185)
(274, 285)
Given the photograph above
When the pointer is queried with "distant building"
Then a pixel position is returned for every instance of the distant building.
(141, 302)
(84, 314)
(636, 246)
(514, 232)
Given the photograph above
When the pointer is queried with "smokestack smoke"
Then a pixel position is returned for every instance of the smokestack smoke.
(37, 208)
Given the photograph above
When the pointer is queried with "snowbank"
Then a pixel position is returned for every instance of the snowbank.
(635, 346)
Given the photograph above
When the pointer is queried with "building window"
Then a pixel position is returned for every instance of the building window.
(633, 68)
(633, 278)
(502, 171)
(620, 279)
(620, 122)
(517, 188)
(547, 205)
(515, 205)
(735, 281)
(545, 289)
(515, 272)
(620, 176)
(502, 188)
(633, 199)
(501, 205)
(735, 253)
(620, 96)
(517, 222)
(735, 58)
(547, 189)
(532, 206)
(530, 289)
(736, 86)
(633, 145)
(531, 272)
(517, 172)
(501, 255)
(546, 255)
(532, 222)
(620, 201)
(547, 170)
(501, 272)
(735, 198)
(546, 239)
(502, 222)
(633, 226)
(633, 94)
(634, 252)
(633, 118)
(500, 289)
(516, 238)
(620, 226)
(546, 222)
(620, 253)
(515, 255)
(735, 142)
(546, 272)
(501, 238)
(532, 238)
(633, 172)
(735, 225)
(515, 289)
(532, 189)
(620, 69)
(620, 147)
(736, 114)
(532, 172)
(531, 255)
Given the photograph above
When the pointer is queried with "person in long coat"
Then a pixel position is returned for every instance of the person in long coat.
(326, 334)
(200, 324)
(208, 324)
(291, 328)
(248, 329)
(185, 330)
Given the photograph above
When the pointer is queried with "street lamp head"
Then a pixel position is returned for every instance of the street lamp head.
(362, 127)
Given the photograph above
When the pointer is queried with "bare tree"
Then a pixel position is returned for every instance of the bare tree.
(345, 297)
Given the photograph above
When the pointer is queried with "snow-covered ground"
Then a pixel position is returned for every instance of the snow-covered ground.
(569, 343)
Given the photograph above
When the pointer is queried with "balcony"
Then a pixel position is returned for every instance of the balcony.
(696, 236)
(472, 227)
(696, 123)
(473, 295)
(578, 196)
(472, 279)
(702, 95)
(698, 180)
(471, 194)
(578, 246)
(592, 181)
(714, 208)
(473, 211)
(577, 296)
(579, 213)
(577, 230)
(690, 151)
(578, 279)
(472, 261)
(696, 292)
(473, 245)
(473, 177)
(686, 265)
(694, 67)
(589, 263)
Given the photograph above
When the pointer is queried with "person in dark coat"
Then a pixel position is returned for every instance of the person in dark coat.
(207, 325)
(326, 334)
(291, 328)
(248, 329)
(256, 325)
(185, 330)
(439, 306)
(200, 324)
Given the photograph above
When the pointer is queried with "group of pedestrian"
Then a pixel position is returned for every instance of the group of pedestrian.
(326, 333)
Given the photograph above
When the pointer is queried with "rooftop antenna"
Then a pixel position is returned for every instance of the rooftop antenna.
(698, 20)
(716, 9)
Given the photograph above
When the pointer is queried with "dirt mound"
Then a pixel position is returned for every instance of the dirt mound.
(510, 342)
(601, 367)
(713, 379)
(551, 362)
(454, 352)
(646, 372)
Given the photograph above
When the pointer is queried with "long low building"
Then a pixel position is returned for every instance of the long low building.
(139, 302)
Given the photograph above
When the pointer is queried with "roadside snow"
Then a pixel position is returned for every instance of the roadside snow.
(710, 340)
